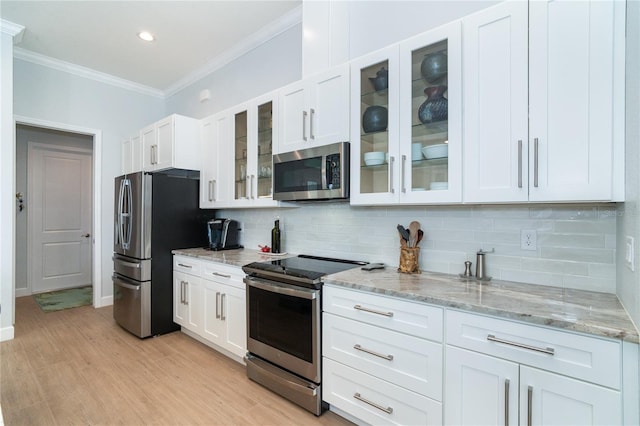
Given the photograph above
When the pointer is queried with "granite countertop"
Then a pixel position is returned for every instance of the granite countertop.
(239, 257)
(599, 314)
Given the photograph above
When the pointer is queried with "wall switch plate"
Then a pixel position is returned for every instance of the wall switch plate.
(528, 239)
(629, 254)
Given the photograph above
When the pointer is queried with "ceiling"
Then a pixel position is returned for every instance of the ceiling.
(192, 37)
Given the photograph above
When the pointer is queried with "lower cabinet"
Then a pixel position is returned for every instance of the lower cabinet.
(210, 304)
(482, 388)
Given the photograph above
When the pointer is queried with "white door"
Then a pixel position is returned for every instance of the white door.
(60, 182)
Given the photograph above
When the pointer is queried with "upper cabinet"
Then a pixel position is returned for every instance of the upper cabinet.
(132, 155)
(173, 142)
(540, 100)
(406, 129)
(315, 111)
(238, 149)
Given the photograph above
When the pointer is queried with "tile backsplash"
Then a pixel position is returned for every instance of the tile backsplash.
(576, 244)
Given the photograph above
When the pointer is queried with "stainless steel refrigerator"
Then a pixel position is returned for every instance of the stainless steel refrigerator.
(154, 214)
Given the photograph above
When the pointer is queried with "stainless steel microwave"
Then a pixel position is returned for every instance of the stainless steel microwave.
(319, 173)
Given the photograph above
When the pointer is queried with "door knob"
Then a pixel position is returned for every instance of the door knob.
(86, 235)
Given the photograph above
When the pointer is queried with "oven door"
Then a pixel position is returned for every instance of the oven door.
(283, 325)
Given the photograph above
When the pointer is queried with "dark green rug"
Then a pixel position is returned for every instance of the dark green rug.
(64, 299)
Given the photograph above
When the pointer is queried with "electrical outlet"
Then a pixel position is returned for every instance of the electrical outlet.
(629, 254)
(528, 239)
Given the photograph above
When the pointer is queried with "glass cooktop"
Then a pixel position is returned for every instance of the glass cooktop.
(303, 268)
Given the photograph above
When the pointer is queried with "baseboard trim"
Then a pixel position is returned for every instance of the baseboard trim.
(21, 292)
(105, 301)
(6, 333)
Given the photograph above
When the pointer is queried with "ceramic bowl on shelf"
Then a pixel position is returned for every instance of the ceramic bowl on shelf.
(434, 186)
(374, 158)
(416, 151)
(436, 151)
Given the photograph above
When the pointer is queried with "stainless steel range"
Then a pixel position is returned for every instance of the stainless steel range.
(284, 330)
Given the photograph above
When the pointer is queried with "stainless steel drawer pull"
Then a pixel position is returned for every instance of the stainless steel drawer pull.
(185, 266)
(220, 275)
(547, 350)
(373, 311)
(529, 405)
(506, 402)
(369, 351)
(387, 410)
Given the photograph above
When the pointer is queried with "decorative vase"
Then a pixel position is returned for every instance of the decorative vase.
(375, 119)
(434, 67)
(436, 107)
(381, 80)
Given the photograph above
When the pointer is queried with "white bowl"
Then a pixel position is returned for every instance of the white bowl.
(374, 158)
(436, 151)
(416, 151)
(434, 186)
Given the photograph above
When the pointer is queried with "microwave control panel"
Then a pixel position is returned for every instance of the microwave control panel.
(333, 171)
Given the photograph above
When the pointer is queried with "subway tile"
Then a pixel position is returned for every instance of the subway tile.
(531, 277)
(603, 285)
(571, 240)
(555, 266)
(467, 223)
(585, 227)
(501, 212)
(602, 270)
(507, 237)
(579, 254)
(518, 224)
(570, 212)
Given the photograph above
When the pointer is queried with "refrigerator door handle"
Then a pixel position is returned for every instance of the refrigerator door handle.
(119, 235)
(126, 238)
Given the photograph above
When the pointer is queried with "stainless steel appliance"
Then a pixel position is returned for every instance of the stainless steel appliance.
(154, 214)
(284, 312)
(223, 234)
(320, 173)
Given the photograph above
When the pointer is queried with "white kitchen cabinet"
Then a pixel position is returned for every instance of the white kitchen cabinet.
(379, 364)
(423, 110)
(540, 101)
(497, 368)
(215, 186)
(173, 142)
(210, 304)
(238, 155)
(187, 294)
(224, 322)
(132, 155)
(315, 111)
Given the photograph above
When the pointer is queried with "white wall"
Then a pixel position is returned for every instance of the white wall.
(24, 135)
(268, 67)
(47, 94)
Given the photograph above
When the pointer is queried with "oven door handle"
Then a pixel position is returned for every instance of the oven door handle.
(280, 288)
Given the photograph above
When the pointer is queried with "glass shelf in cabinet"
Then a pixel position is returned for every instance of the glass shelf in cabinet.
(383, 166)
(380, 97)
(431, 162)
(420, 129)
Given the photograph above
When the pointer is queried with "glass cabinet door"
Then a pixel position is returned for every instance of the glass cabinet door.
(265, 149)
(374, 130)
(240, 156)
(431, 116)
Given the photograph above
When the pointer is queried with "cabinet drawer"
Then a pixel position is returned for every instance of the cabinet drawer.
(417, 319)
(376, 401)
(587, 358)
(407, 361)
(224, 274)
(188, 265)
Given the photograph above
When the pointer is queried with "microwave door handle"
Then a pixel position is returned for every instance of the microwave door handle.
(323, 172)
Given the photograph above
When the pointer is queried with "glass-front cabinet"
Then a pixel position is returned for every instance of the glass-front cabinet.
(240, 130)
(406, 139)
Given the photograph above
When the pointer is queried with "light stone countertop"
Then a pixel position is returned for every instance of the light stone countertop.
(599, 314)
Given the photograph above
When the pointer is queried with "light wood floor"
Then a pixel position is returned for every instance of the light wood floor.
(78, 367)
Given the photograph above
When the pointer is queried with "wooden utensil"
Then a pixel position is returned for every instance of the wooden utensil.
(420, 235)
(414, 227)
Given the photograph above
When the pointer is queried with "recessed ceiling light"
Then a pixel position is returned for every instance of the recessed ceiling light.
(146, 36)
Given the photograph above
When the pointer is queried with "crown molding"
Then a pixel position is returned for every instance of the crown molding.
(80, 71)
(263, 35)
(14, 30)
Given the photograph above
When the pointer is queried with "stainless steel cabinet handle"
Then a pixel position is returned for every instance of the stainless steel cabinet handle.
(304, 125)
(311, 123)
(221, 275)
(374, 353)
(222, 314)
(211, 190)
(253, 177)
(373, 311)
(387, 410)
(506, 402)
(186, 292)
(217, 304)
(214, 189)
(182, 292)
(547, 350)
(535, 162)
(520, 163)
(184, 266)
(129, 264)
(529, 403)
(391, 188)
(404, 162)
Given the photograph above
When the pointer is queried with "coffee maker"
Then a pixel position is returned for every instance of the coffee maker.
(224, 234)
